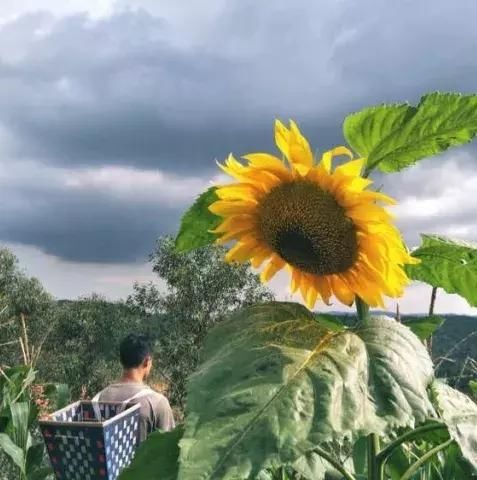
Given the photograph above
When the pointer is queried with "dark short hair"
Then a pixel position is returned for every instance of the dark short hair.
(134, 349)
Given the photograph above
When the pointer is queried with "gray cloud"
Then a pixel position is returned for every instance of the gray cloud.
(77, 91)
(86, 226)
(124, 90)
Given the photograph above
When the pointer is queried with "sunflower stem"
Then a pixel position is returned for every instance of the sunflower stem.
(362, 310)
(374, 470)
(432, 304)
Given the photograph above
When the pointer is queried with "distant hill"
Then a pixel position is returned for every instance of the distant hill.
(457, 340)
(454, 346)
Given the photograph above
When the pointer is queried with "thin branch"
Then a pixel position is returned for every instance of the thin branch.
(433, 301)
(38, 350)
(4, 375)
(25, 336)
(8, 343)
(431, 312)
(454, 348)
(335, 463)
(417, 465)
(25, 361)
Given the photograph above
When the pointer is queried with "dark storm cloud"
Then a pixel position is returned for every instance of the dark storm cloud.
(118, 91)
(85, 226)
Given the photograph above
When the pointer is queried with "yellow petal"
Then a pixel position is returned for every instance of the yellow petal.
(282, 138)
(234, 235)
(311, 297)
(241, 252)
(260, 256)
(274, 266)
(235, 222)
(270, 163)
(352, 169)
(350, 199)
(224, 208)
(294, 146)
(327, 157)
(239, 191)
(369, 213)
(299, 150)
(323, 288)
(341, 290)
(295, 280)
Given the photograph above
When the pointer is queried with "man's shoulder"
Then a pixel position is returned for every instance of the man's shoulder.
(157, 398)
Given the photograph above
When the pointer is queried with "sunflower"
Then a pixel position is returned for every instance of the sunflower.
(320, 223)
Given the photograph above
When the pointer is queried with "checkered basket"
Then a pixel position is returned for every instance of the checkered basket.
(82, 446)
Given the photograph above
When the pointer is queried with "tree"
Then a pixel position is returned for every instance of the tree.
(201, 289)
(82, 351)
(26, 313)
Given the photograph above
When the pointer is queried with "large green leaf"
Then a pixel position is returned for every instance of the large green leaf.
(15, 453)
(197, 222)
(156, 458)
(366, 129)
(274, 383)
(394, 137)
(19, 425)
(424, 327)
(448, 264)
(459, 413)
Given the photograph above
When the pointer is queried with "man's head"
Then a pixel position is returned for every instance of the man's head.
(135, 353)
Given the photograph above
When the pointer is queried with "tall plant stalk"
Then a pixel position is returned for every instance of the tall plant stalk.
(362, 311)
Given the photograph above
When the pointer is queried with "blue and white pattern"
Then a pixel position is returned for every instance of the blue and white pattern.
(81, 448)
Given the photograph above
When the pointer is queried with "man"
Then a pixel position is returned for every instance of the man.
(135, 353)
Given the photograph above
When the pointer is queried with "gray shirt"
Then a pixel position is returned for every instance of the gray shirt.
(155, 412)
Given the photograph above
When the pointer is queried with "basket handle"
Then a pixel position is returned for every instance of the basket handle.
(142, 393)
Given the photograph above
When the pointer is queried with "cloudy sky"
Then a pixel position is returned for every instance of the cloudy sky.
(112, 113)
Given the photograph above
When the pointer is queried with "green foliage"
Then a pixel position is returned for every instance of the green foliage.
(82, 350)
(393, 137)
(424, 327)
(58, 395)
(459, 413)
(366, 129)
(274, 383)
(473, 388)
(332, 322)
(454, 346)
(359, 455)
(201, 290)
(18, 415)
(197, 222)
(13, 451)
(24, 306)
(448, 264)
(159, 453)
(448, 464)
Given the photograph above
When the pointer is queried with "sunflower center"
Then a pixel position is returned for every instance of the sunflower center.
(307, 227)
